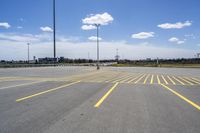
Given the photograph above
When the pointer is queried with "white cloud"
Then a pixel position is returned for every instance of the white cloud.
(19, 27)
(46, 29)
(198, 44)
(88, 27)
(103, 19)
(94, 38)
(173, 39)
(143, 35)
(177, 25)
(4, 25)
(176, 40)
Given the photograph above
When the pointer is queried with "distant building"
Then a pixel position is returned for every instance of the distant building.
(148, 59)
(47, 60)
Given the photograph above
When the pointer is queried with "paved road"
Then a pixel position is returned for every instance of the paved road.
(112, 100)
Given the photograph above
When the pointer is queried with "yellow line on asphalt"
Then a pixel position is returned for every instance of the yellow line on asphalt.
(178, 80)
(186, 81)
(152, 79)
(122, 81)
(145, 80)
(43, 92)
(196, 79)
(106, 95)
(21, 85)
(192, 80)
(119, 79)
(182, 97)
(140, 79)
(134, 78)
(171, 80)
(158, 79)
(164, 79)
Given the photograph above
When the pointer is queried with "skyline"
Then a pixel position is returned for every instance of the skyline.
(141, 29)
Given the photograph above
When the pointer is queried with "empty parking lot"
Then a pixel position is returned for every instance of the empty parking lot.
(111, 100)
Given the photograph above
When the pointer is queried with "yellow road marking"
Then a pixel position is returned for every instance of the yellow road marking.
(196, 79)
(178, 80)
(119, 79)
(186, 81)
(140, 79)
(192, 80)
(105, 96)
(145, 80)
(122, 81)
(43, 92)
(182, 97)
(164, 80)
(158, 79)
(134, 78)
(152, 79)
(21, 85)
(171, 80)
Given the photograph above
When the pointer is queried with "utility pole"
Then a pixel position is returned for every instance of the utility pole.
(28, 51)
(98, 25)
(117, 55)
(54, 30)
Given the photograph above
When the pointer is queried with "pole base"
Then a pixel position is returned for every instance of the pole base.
(98, 67)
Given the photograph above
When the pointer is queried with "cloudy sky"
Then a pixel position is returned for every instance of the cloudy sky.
(138, 28)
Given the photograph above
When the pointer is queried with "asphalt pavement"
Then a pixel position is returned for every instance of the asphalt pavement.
(111, 100)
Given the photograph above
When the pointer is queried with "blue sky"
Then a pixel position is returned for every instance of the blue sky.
(130, 17)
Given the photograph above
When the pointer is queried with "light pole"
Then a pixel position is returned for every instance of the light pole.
(28, 51)
(54, 30)
(98, 25)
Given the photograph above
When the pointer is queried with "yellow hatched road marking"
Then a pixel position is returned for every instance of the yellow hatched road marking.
(106, 95)
(140, 79)
(178, 80)
(158, 79)
(126, 79)
(146, 79)
(43, 92)
(196, 79)
(164, 80)
(182, 97)
(152, 79)
(186, 81)
(134, 78)
(171, 80)
(119, 79)
(192, 80)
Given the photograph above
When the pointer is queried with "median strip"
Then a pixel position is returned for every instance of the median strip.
(182, 97)
(106, 95)
(47, 91)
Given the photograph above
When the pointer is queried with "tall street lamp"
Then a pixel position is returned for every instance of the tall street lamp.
(28, 51)
(97, 26)
(54, 30)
